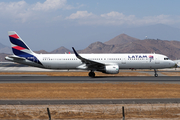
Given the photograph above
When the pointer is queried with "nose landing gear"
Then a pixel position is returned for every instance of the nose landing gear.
(155, 73)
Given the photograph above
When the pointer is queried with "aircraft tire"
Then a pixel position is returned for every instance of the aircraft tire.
(155, 75)
(91, 74)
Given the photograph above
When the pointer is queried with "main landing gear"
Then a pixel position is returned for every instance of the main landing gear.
(91, 74)
(155, 73)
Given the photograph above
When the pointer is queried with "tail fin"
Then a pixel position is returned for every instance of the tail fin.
(19, 47)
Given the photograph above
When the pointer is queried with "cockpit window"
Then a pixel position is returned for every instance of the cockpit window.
(166, 58)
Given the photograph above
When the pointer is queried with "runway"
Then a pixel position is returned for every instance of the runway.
(90, 101)
(104, 79)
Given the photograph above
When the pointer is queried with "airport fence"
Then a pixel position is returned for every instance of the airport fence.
(91, 111)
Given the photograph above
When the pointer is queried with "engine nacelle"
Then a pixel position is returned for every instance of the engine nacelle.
(111, 69)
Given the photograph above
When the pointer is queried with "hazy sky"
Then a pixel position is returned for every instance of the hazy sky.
(49, 24)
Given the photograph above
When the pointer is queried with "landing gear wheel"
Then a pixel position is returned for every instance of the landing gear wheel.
(91, 74)
(155, 75)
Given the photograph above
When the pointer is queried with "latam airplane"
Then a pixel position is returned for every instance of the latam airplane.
(106, 63)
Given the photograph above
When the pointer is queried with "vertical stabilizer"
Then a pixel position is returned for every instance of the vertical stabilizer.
(19, 47)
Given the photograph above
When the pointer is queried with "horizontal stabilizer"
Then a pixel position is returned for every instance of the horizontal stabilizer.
(16, 57)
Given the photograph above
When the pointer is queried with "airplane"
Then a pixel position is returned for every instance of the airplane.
(105, 63)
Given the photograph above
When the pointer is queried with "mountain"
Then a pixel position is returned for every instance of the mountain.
(2, 56)
(165, 47)
(121, 39)
(168, 48)
(41, 52)
(62, 49)
(157, 31)
(97, 47)
(2, 46)
(5, 49)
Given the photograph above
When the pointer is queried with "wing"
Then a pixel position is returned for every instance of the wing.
(89, 63)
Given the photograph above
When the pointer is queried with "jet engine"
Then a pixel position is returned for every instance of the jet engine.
(111, 69)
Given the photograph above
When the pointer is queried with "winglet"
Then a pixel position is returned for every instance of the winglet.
(77, 55)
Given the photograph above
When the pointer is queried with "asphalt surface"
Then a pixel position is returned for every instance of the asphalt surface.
(94, 101)
(104, 79)
(49, 79)
(11, 65)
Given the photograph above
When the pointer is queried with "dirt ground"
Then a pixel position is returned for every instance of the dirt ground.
(107, 111)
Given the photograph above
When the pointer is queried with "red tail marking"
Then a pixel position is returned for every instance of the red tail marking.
(19, 48)
(14, 36)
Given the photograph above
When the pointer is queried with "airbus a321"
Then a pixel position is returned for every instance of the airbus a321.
(106, 63)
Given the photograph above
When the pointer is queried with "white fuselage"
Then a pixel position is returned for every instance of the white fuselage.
(106, 63)
(124, 61)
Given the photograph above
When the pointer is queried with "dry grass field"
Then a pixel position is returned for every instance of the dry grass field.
(88, 90)
(171, 73)
(89, 112)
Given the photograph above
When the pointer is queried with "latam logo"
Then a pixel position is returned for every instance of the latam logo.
(151, 57)
(137, 56)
